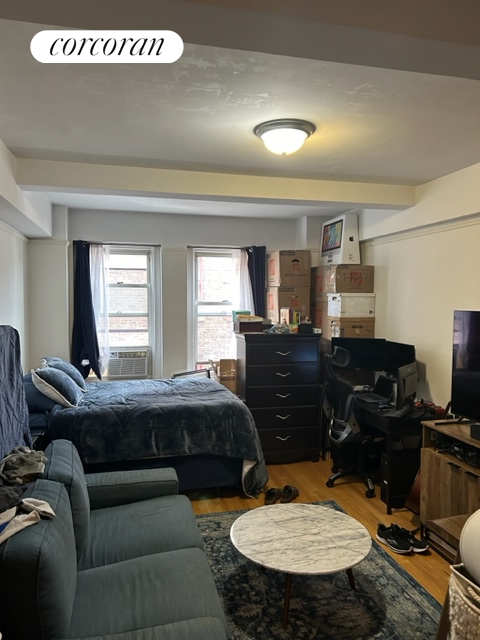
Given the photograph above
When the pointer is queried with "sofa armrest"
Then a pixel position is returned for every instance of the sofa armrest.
(123, 487)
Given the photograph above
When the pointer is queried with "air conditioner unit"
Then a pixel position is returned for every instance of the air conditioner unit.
(129, 364)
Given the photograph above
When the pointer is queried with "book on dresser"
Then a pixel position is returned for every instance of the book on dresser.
(278, 377)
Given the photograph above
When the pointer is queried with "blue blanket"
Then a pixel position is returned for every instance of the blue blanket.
(138, 419)
(14, 428)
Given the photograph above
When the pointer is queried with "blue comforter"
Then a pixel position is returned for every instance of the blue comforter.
(138, 419)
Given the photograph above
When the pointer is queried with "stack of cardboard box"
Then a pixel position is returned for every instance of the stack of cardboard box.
(288, 282)
(343, 300)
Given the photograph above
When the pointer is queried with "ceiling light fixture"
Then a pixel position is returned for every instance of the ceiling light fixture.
(284, 136)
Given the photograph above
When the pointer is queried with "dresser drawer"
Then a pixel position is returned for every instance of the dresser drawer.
(276, 417)
(289, 439)
(294, 351)
(282, 396)
(282, 374)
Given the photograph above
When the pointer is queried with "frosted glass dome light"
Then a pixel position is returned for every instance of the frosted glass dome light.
(284, 136)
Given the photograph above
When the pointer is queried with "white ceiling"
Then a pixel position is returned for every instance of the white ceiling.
(397, 126)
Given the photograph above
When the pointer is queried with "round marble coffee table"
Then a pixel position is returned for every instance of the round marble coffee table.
(302, 539)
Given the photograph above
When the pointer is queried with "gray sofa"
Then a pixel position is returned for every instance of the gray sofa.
(123, 559)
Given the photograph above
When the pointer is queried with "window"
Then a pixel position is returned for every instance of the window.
(129, 305)
(217, 292)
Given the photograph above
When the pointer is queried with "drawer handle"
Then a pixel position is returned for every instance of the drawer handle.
(283, 439)
(284, 375)
(283, 395)
(284, 353)
(470, 473)
(283, 417)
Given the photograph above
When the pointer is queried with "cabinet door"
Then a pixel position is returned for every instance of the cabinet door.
(436, 490)
(471, 491)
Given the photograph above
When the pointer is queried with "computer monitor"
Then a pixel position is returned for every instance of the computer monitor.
(339, 240)
(398, 354)
(365, 353)
(406, 384)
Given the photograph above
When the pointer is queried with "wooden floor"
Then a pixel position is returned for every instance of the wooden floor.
(430, 569)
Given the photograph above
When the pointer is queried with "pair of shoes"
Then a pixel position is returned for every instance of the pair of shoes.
(287, 494)
(272, 495)
(418, 546)
(400, 540)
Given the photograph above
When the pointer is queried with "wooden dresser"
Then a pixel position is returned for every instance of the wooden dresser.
(450, 483)
(278, 377)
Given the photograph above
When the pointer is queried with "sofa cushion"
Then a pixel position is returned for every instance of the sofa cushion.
(141, 528)
(64, 465)
(146, 592)
(38, 566)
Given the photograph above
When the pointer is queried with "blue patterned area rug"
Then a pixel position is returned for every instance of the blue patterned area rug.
(387, 604)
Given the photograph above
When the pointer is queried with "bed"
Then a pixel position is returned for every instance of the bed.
(195, 425)
(143, 420)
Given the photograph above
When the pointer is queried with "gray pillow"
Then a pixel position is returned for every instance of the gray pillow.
(37, 401)
(66, 367)
(57, 385)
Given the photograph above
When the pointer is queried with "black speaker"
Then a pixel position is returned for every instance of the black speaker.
(475, 431)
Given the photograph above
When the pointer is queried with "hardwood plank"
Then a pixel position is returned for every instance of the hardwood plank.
(430, 569)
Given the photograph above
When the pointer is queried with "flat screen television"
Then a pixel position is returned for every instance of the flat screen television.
(465, 398)
(339, 240)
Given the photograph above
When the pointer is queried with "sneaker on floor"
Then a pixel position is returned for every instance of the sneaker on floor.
(397, 541)
(418, 546)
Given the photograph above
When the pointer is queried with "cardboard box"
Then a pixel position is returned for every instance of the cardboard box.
(319, 314)
(349, 328)
(342, 278)
(227, 373)
(289, 268)
(247, 327)
(296, 298)
(351, 305)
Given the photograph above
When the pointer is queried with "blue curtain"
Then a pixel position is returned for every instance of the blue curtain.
(85, 351)
(257, 257)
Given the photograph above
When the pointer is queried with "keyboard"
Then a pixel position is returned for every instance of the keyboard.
(397, 413)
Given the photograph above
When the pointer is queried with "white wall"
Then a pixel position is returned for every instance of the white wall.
(49, 280)
(420, 278)
(424, 257)
(13, 293)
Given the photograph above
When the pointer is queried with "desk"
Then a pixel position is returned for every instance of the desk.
(401, 456)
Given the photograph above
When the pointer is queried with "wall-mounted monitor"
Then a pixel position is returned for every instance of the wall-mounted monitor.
(339, 240)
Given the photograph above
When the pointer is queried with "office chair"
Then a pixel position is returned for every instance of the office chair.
(354, 450)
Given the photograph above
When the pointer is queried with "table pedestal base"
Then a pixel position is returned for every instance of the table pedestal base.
(288, 591)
